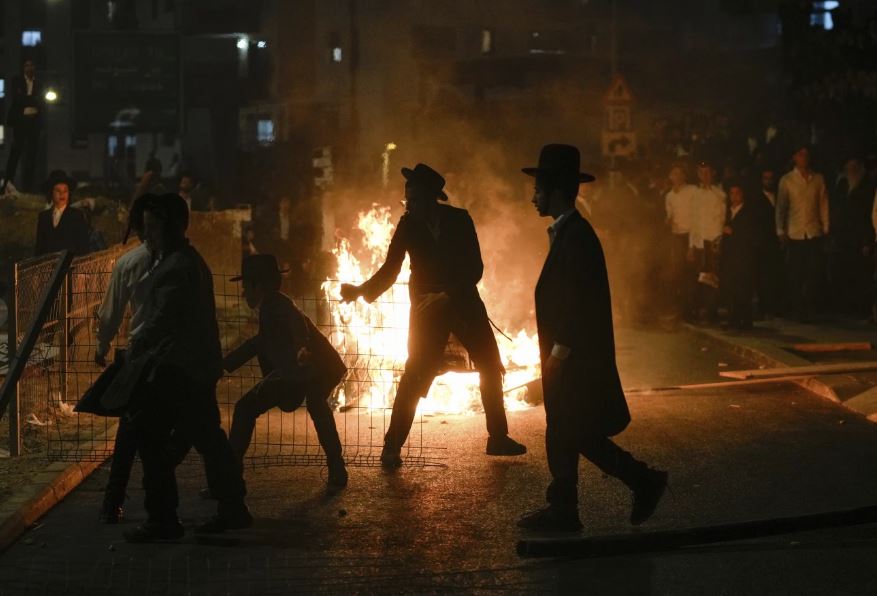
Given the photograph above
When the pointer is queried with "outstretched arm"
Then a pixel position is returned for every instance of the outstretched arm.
(384, 277)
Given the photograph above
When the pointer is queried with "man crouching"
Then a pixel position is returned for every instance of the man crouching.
(297, 362)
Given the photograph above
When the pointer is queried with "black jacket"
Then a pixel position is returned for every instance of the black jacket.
(180, 317)
(283, 331)
(71, 234)
(850, 218)
(19, 100)
(451, 263)
(573, 308)
(741, 247)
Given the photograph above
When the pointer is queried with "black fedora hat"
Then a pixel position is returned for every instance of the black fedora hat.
(424, 176)
(559, 160)
(259, 268)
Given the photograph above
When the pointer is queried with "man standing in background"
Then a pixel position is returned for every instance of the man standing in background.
(707, 222)
(25, 119)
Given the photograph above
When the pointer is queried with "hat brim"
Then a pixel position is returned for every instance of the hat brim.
(583, 176)
(241, 277)
(407, 172)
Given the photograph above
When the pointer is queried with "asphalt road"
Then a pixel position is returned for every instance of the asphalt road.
(734, 454)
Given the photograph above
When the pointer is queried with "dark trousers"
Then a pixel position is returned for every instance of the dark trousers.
(179, 406)
(682, 276)
(271, 393)
(563, 453)
(769, 267)
(124, 451)
(25, 140)
(706, 297)
(428, 335)
(805, 271)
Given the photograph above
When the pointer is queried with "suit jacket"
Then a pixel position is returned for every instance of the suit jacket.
(573, 308)
(179, 317)
(20, 100)
(850, 218)
(71, 234)
(450, 263)
(741, 247)
(283, 331)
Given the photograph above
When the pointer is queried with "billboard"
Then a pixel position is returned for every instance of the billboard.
(127, 82)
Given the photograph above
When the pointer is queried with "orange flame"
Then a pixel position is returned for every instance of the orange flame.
(374, 336)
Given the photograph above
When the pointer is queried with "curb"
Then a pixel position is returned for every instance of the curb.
(45, 490)
(771, 356)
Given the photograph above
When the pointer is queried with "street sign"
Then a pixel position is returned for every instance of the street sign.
(619, 143)
(617, 117)
(618, 92)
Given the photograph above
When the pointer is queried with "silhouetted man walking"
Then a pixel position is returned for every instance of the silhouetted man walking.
(445, 267)
(584, 401)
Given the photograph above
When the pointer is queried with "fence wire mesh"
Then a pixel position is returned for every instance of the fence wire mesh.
(62, 367)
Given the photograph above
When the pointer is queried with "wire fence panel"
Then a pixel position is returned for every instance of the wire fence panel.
(62, 367)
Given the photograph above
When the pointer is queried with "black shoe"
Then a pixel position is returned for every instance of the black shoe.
(391, 457)
(647, 496)
(504, 445)
(552, 519)
(239, 520)
(155, 532)
(205, 494)
(338, 476)
(110, 514)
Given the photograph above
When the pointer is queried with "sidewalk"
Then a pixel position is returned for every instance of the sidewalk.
(769, 344)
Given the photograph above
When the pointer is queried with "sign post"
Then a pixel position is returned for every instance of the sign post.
(619, 138)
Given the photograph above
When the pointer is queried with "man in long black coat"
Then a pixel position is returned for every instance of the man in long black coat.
(740, 247)
(25, 119)
(297, 362)
(445, 268)
(584, 401)
(179, 337)
(61, 227)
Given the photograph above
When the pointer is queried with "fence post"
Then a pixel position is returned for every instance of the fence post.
(11, 347)
(63, 354)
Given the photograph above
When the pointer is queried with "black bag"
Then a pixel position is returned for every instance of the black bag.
(90, 403)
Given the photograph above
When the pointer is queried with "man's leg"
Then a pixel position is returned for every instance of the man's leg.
(159, 481)
(427, 337)
(324, 420)
(124, 451)
(14, 155)
(29, 155)
(258, 400)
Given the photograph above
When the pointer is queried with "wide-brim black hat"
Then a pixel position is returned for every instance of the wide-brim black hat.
(259, 268)
(59, 177)
(559, 160)
(424, 176)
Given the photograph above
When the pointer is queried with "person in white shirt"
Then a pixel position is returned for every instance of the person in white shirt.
(802, 224)
(678, 204)
(125, 288)
(707, 222)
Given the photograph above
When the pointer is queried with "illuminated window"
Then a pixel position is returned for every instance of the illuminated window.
(2, 134)
(2, 88)
(821, 15)
(337, 54)
(265, 132)
(31, 38)
(487, 41)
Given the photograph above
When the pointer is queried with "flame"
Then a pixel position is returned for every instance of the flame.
(373, 337)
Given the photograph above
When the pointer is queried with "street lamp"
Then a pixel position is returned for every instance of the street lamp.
(51, 96)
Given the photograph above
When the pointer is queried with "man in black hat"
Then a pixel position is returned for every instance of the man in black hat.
(584, 401)
(179, 340)
(297, 362)
(25, 119)
(445, 268)
(61, 227)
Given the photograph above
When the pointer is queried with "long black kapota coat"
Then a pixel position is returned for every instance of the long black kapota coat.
(573, 308)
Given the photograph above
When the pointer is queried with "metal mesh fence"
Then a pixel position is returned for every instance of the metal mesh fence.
(61, 368)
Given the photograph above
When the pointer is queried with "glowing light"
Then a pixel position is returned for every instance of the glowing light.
(51, 96)
(375, 336)
(262, 45)
(243, 43)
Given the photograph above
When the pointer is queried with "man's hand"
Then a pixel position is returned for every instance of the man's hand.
(303, 357)
(784, 241)
(100, 360)
(727, 230)
(552, 370)
(432, 300)
(349, 292)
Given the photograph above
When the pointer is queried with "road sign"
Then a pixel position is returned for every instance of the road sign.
(617, 117)
(618, 92)
(619, 143)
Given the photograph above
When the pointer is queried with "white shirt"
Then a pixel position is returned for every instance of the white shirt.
(56, 215)
(30, 110)
(130, 269)
(678, 205)
(735, 209)
(707, 215)
(802, 206)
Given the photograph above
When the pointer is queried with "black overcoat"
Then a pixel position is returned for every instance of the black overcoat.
(573, 308)
(71, 234)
